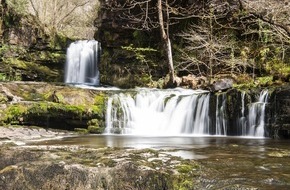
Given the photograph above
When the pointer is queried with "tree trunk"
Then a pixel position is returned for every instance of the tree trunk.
(166, 42)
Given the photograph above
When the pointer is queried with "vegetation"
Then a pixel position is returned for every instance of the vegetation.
(60, 17)
(211, 38)
(53, 106)
(149, 41)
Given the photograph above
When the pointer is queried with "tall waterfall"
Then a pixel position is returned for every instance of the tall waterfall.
(82, 62)
(156, 112)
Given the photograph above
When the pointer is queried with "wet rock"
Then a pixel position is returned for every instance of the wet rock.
(221, 85)
(81, 168)
(193, 82)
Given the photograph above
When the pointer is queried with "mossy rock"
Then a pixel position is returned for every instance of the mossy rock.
(81, 130)
(3, 98)
(95, 129)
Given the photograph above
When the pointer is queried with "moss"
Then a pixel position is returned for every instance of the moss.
(81, 130)
(100, 99)
(95, 129)
(14, 113)
(108, 162)
(184, 168)
(3, 98)
(185, 179)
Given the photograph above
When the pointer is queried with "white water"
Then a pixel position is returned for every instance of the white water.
(180, 112)
(243, 119)
(221, 122)
(256, 116)
(82, 63)
(156, 112)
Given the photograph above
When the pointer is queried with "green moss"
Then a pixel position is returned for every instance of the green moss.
(3, 98)
(184, 168)
(14, 113)
(100, 99)
(267, 80)
(95, 129)
(185, 179)
(81, 130)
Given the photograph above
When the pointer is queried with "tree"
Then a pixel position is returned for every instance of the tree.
(208, 47)
(61, 15)
(165, 37)
(268, 22)
(233, 36)
(152, 14)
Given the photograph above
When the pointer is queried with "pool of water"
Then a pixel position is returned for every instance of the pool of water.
(247, 162)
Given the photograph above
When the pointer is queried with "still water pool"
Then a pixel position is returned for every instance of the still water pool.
(257, 163)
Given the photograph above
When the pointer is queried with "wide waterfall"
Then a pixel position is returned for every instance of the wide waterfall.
(156, 112)
(82, 63)
(184, 112)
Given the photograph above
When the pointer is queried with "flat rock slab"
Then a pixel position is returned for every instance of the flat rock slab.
(20, 135)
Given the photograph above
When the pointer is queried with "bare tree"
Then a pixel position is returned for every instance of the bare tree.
(232, 36)
(152, 14)
(57, 15)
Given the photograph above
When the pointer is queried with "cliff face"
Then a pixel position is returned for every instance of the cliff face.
(130, 57)
(281, 113)
(27, 52)
(276, 115)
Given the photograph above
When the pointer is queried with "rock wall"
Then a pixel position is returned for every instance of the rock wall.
(280, 113)
(121, 66)
(277, 110)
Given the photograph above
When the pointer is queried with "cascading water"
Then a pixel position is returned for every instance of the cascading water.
(243, 118)
(156, 112)
(221, 121)
(82, 63)
(256, 116)
(183, 112)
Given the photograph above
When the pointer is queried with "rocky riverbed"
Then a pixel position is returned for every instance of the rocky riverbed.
(29, 161)
(76, 167)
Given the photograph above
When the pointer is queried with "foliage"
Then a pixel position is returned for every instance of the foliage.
(144, 58)
(256, 45)
(72, 18)
(19, 63)
(19, 6)
(139, 52)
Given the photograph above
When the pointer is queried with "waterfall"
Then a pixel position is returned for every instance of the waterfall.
(159, 112)
(243, 118)
(221, 121)
(184, 112)
(82, 62)
(256, 116)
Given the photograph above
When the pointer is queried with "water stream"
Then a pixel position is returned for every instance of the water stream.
(82, 63)
(256, 117)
